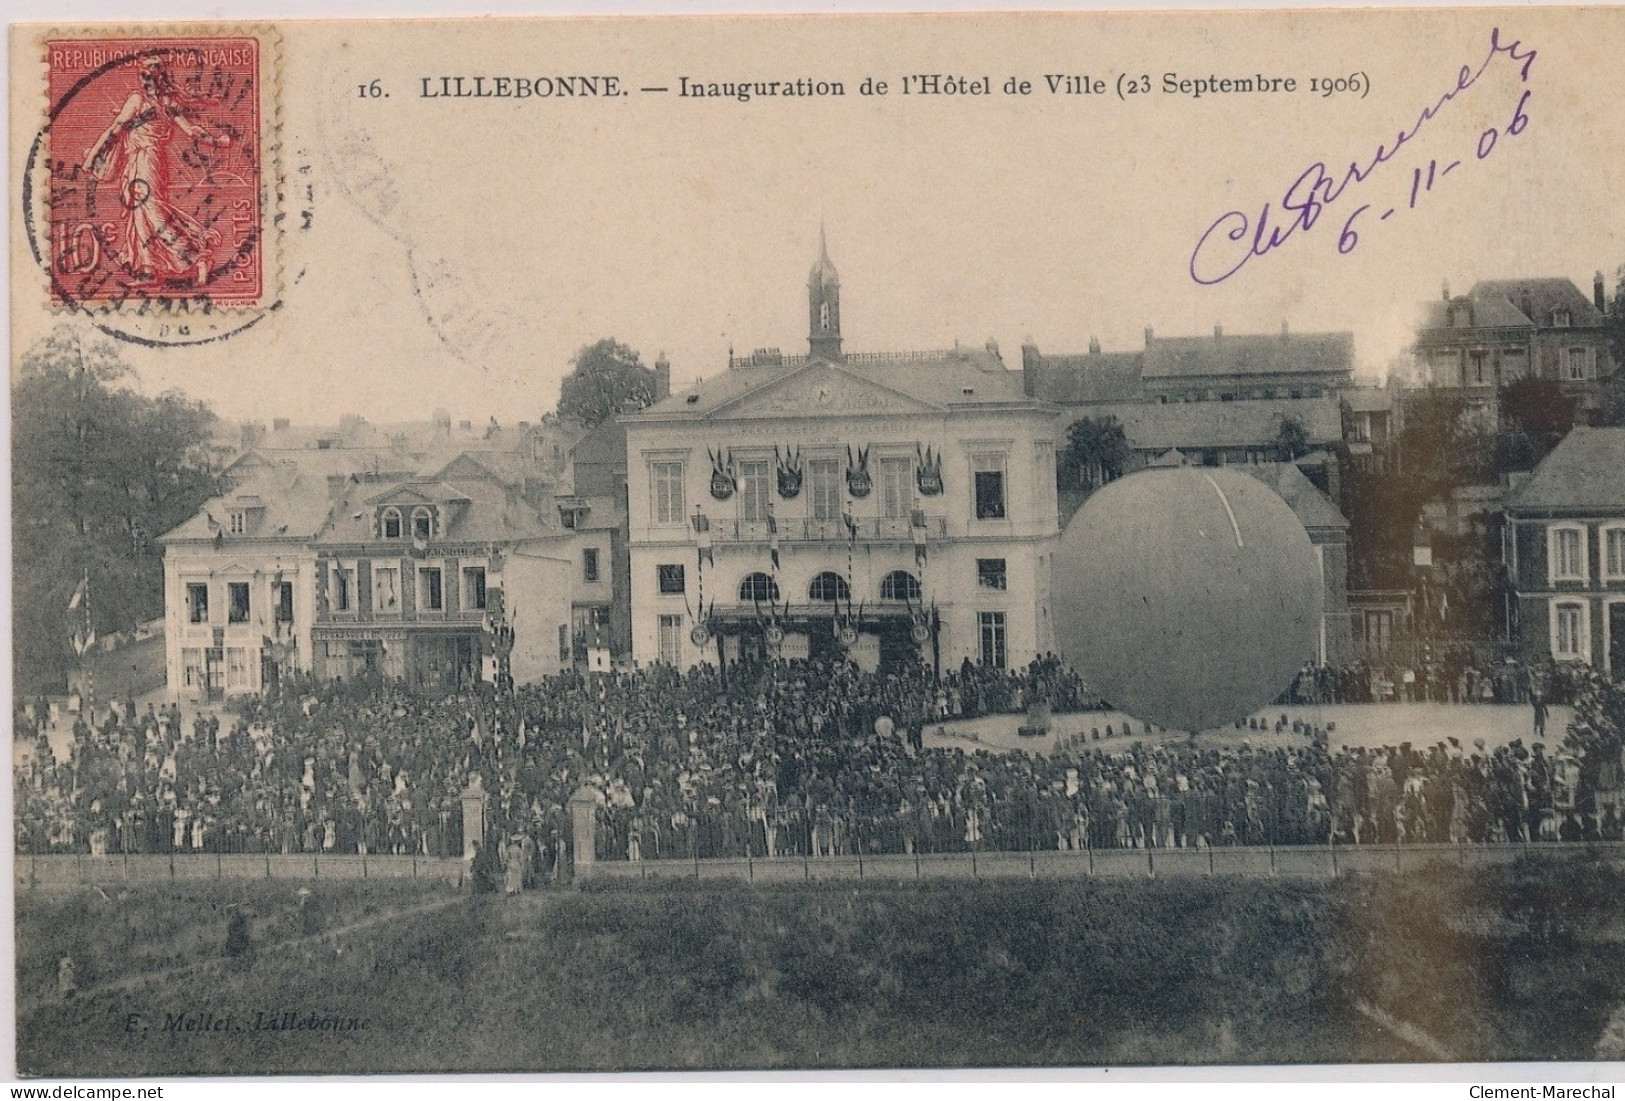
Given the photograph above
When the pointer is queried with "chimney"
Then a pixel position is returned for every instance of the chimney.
(466, 426)
(1148, 336)
(280, 424)
(662, 377)
(1444, 289)
(442, 421)
(252, 431)
(1218, 330)
(1031, 362)
(1094, 345)
(1285, 332)
(993, 349)
(1597, 293)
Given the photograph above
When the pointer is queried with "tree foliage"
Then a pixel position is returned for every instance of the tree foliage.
(99, 472)
(608, 378)
(1096, 452)
(1292, 439)
(1540, 412)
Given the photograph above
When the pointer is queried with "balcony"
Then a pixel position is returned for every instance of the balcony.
(463, 616)
(869, 530)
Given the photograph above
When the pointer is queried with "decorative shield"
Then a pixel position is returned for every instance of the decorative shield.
(848, 636)
(789, 472)
(858, 483)
(722, 478)
(928, 472)
(920, 632)
(774, 634)
(700, 635)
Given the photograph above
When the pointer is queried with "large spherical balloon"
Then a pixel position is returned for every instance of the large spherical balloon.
(1188, 597)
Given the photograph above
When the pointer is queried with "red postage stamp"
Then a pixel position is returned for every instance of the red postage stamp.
(156, 188)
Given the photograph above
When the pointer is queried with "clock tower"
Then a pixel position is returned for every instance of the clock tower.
(824, 306)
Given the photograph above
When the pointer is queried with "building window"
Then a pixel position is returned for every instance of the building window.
(589, 564)
(667, 482)
(824, 488)
(671, 580)
(900, 585)
(754, 487)
(343, 585)
(758, 587)
(671, 639)
(474, 587)
(237, 602)
(392, 523)
(993, 638)
(238, 673)
(1479, 357)
(990, 573)
(431, 597)
(1566, 548)
(988, 485)
(1577, 364)
(282, 599)
(1613, 552)
(829, 587)
(1569, 633)
(192, 674)
(386, 589)
(896, 488)
(237, 521)
(197, 603)
(422, 523)
(1561, 319)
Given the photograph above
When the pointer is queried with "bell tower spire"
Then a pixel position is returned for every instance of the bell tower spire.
(824, 304)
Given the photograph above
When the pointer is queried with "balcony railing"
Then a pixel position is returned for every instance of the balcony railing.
(376, 618)
(869, 530)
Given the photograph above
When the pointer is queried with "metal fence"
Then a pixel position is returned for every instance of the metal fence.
(1298, 861)
(63, 871)
(55, 871)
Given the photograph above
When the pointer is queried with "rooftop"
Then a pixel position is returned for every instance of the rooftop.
(1582, 474)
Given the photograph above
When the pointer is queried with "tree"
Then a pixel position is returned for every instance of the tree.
(98, 473)
(608, 378)
(1611, 398)
(1292, 439)
(1096, 452)
(1539, 410)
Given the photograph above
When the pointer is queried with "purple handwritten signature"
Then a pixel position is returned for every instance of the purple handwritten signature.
(1316, 188)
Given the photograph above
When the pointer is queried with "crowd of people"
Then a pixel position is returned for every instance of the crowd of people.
(1446, 674)
(770, 759)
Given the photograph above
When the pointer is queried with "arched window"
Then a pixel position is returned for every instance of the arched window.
(422, 523)
(900, 585)
(392, 523)
(758, 587)
(829, 586)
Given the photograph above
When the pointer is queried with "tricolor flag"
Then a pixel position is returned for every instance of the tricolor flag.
(702, 537)
(773, 538)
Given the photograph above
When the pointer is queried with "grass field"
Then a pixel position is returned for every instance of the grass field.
(1520, 962)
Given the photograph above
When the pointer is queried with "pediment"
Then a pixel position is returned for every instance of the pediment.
(821, 389)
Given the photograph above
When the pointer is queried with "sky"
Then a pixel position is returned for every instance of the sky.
(460, 251)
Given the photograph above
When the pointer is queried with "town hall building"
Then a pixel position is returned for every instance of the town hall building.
(888, 507)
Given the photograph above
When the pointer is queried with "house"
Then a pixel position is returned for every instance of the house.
(1508, 329)
(1565, 552)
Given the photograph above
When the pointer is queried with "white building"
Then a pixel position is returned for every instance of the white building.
(897, 506)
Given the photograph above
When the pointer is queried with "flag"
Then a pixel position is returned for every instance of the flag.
(420, 546)
(78, 596)
(702, 537)
(851, 526)
(216, 532)
(773, 539)
(917, 527)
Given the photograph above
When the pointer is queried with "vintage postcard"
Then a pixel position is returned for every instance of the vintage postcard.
(819, 542)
